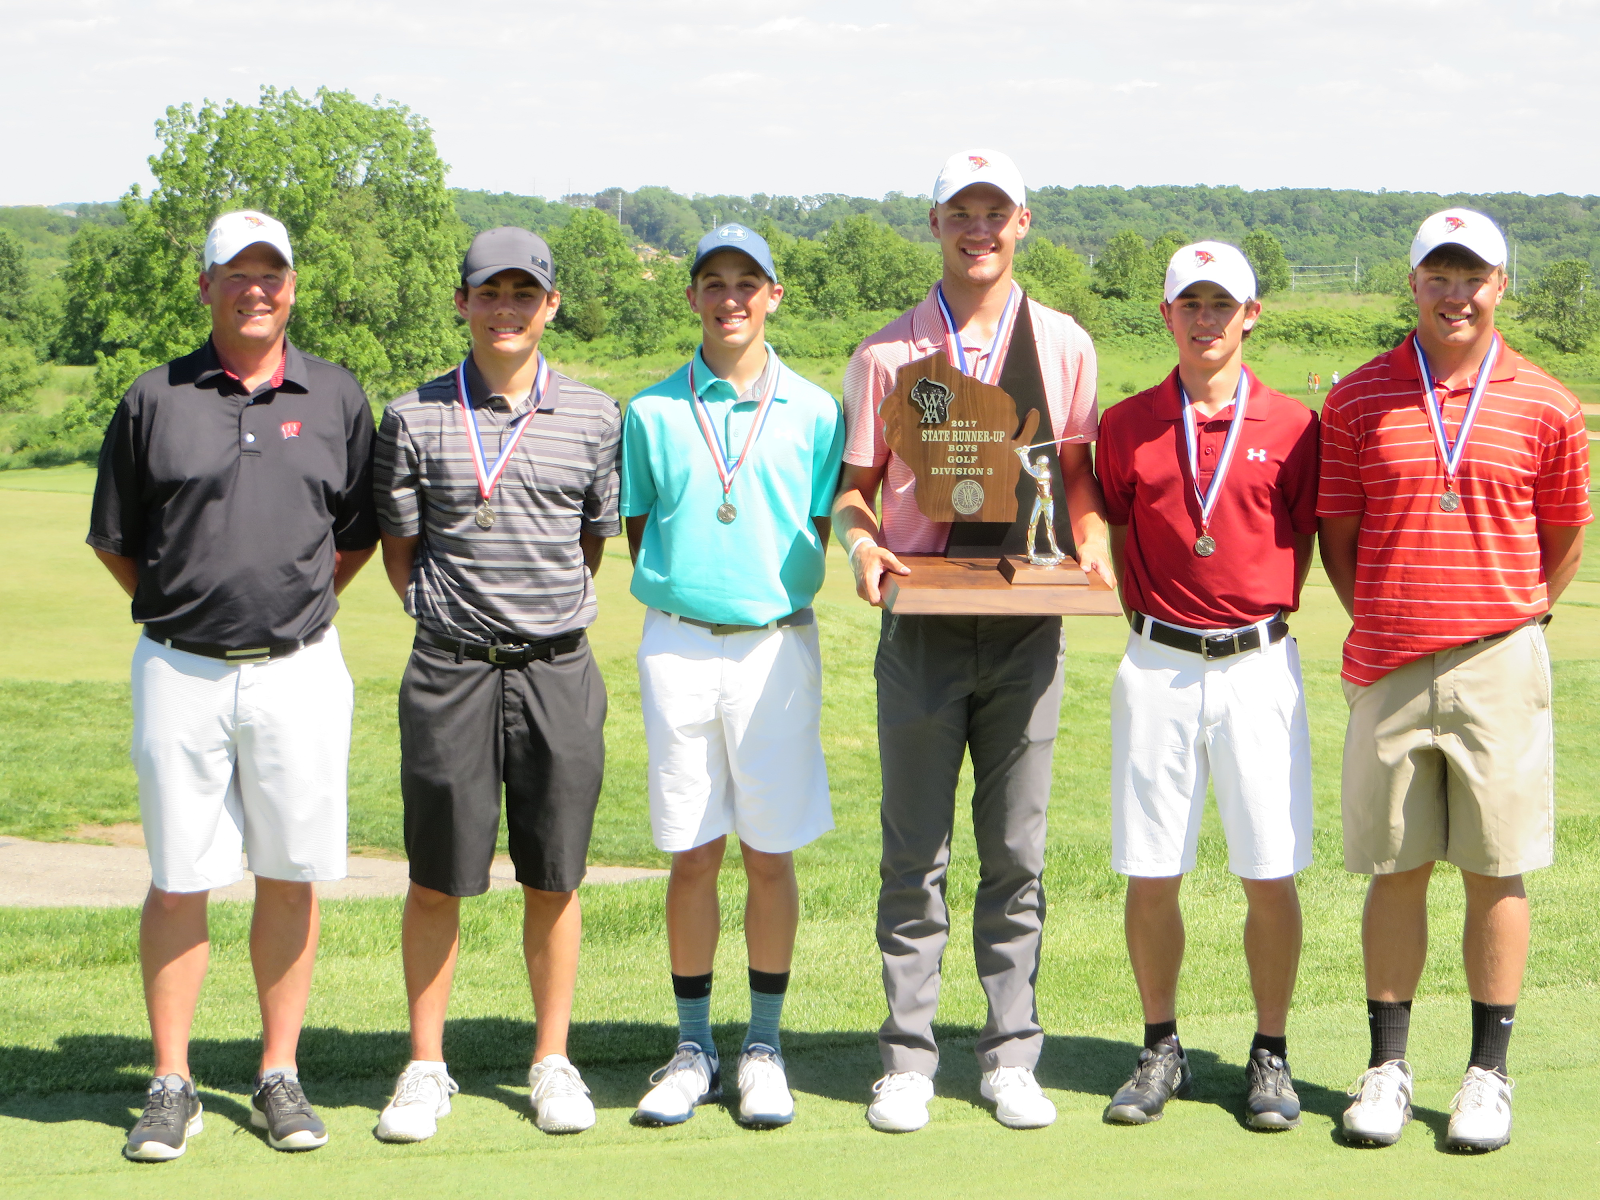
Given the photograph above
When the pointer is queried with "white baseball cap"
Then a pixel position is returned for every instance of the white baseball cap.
(1212, 262)
(1460, 227)
(233, 232)
(979, 166)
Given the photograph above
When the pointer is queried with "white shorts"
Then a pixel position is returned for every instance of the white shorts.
(1178, 720)
(250, 756)
(734, 729)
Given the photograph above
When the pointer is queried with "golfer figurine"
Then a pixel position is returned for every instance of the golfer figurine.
(1044, 509)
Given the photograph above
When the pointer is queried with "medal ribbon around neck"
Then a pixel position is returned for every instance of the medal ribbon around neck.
(1451, 453)
(1208, 502)
(489, 476)
(956, 349)
(719, 456)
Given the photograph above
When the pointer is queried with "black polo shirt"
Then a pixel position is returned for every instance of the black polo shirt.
(233, 502)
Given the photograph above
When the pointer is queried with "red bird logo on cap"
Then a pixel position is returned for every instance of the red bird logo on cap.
(290, 429)
(1454, 223)
(255, 222)
(978, 162)
(1204, 258)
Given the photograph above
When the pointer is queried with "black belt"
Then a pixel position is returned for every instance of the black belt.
(504, 654)
(801, 616)
(1211, 645)
(248, 654)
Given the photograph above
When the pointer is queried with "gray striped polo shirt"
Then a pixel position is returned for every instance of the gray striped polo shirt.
(525, 576)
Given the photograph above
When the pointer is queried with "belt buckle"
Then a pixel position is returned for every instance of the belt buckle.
(519, 652)
(255, 654)
(1220, 641)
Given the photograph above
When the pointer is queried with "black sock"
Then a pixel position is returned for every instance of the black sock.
(1389, 1022)
(1491, 1033)
(770, 983)
(691, 987)
(1272, 1045)
(1161, 1031)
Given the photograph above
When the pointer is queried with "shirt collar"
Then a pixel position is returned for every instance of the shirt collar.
(1167, 404)
(291, 368)
(1403, 361)
(706, 379)
(482, 396)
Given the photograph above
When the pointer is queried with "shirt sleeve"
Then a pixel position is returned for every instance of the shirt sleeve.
(1082, 423)
(865, 385)
(117, 517)
(396, 478)
(600, 500)
(1301, 472)
(638, 495)
(1561, 489)
(1114, 472)
(1339, 490)
(827, 453)
(355, 523)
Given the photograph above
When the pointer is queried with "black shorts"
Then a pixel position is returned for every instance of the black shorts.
(468, 727)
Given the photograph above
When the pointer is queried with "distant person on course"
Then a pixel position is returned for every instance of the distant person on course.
(728, 471)
(1455, 488)
(947, 685)
(234, 503)
(497, 488)
(1210, 481)
(1333, 381)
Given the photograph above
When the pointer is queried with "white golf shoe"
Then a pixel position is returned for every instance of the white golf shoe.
(1019, 1102)
(764, 1097)
(692, 1077)
(421, 1096)
(559, 1097)
(1480, 1114)
(900, 1102)
(1383, 1104)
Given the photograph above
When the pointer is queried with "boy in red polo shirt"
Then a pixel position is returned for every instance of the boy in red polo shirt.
(1210, 480)
(1455, 488)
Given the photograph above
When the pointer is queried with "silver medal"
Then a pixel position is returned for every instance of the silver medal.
(1205, 545)
(1449, 501)
(484, 515)
(726, 513)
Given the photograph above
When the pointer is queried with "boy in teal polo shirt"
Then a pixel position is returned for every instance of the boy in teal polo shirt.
(728, 474)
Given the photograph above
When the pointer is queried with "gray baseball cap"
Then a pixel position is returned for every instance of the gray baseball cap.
(734, 236)
(508, 249)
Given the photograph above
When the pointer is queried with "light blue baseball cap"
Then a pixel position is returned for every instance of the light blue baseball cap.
(734, 236)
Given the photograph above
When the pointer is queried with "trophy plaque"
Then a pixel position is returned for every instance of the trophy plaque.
(973, 458)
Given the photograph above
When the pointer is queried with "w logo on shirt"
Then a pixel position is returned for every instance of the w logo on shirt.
(1256, 455)
(290, 429)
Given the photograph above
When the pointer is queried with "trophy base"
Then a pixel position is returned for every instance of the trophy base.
(980, 587)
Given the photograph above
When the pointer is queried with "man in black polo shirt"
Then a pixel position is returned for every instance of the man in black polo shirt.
(497, 487)
(234, 502)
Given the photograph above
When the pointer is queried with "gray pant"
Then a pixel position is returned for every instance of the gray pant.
(947, 684)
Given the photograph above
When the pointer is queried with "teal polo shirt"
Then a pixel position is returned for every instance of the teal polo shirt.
(769, 561)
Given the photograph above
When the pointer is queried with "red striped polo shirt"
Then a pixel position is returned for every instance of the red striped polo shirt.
(1426, 579)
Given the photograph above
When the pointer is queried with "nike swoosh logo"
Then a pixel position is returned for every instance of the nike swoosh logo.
(1506, 1020)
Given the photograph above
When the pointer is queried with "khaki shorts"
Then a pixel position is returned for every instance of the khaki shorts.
(1452, 757)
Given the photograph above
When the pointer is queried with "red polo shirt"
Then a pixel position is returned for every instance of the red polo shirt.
(1268, 496)
(1426, 579)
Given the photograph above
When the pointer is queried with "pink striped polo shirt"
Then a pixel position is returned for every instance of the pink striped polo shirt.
(1066, 359)
(1426, 579)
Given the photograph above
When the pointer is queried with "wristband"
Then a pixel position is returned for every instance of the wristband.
(856, 545)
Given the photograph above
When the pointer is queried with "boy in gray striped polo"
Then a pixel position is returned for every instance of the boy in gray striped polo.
(497, 487)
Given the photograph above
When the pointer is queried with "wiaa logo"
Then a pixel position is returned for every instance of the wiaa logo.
(1454, 224)
(933, 399)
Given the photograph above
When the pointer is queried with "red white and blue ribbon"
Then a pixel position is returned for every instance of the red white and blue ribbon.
(1451, 453)
(956, 349)
(1208, 501)
(489, 475)
(719, 455)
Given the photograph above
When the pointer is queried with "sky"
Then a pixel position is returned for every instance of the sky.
(862, 98)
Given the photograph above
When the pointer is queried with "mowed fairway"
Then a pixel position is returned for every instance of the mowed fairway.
(74, 1055)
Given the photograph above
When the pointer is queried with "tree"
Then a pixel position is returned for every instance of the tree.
(595, 266)
(1561, 306)
(1266, 257)
(1057, 278)
(1125, 270)
(20, 376)
(13, 276)
(361, 190)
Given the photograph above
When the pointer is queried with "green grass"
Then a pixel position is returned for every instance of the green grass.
(74, 1049)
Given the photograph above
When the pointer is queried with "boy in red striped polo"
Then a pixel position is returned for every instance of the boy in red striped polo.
(1210, 482)
(1454, 492)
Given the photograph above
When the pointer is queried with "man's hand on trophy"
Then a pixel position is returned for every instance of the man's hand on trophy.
(870, 564)
(1095, 559)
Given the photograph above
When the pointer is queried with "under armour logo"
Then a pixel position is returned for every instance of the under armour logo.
(1256, 455)
(731, 233)
(933, 398)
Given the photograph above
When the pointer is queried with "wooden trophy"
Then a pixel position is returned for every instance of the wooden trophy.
(960, 437)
